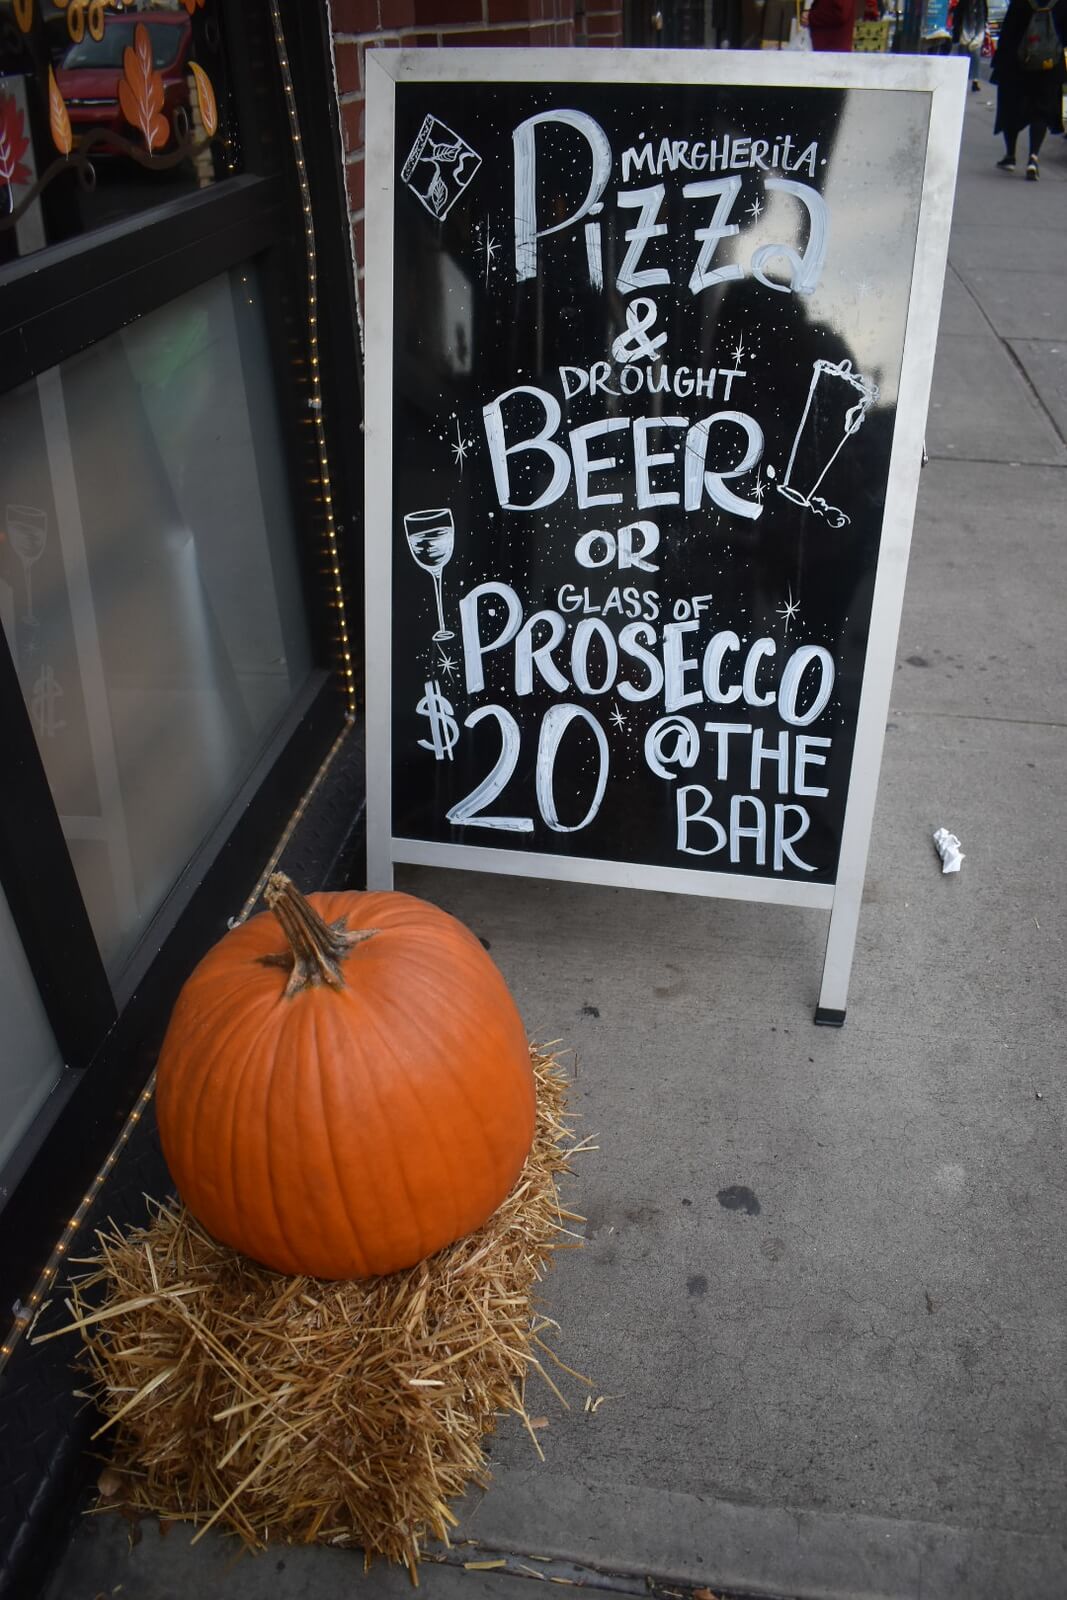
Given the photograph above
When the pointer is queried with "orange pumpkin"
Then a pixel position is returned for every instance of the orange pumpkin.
(362, 1107)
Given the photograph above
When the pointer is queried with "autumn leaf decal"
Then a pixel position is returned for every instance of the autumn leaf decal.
(58, 119)
(24, 14)
(13, 146)
(205, 94)
(141, 91)
(191, 5)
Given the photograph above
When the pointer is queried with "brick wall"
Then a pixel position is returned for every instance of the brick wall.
(359, 25)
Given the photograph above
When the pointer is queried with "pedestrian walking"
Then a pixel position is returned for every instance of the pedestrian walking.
(1029, 72)
(969, 21)
(830, 23)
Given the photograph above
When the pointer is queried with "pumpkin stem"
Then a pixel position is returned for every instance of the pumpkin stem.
(318, 948)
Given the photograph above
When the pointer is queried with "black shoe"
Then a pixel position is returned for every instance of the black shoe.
(1007, 164)
(1032, 170)
(975, 86)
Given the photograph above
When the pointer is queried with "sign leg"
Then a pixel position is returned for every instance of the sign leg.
(837, 961)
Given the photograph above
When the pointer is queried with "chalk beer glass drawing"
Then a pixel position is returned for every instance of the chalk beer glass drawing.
(835, 389)
(431, 540)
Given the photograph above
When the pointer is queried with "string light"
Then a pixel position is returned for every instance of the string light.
(342, 641)
(26, 1314)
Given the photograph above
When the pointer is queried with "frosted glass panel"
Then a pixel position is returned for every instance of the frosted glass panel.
(149, 588)
(29, 1056)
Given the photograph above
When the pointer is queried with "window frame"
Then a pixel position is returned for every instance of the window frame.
(53, 304)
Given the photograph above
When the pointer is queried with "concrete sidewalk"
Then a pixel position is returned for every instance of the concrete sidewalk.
(854, 1385)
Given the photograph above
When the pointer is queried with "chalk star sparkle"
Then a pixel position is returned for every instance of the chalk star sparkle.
(488, 248)
(788, 609)
(460, 448)
(617, 718)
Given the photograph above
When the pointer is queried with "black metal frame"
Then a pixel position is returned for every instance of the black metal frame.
(51, 306)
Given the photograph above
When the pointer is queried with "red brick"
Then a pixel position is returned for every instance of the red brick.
(347, 58)
(514, 10)
(353, 123)
(354, 16)
(425, 41)
(359, 241)
(354, 174)
(564, 32)
(397, 13)
(432, 13)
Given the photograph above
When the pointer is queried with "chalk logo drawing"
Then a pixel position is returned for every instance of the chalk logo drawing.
(27, 528)
(444, 729)
(431, 539)
(838, 400)
(440, 165)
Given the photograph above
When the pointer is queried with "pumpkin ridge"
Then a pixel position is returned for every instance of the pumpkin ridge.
(327, 1124)
(432, 1122)
(298, 1035)
(455, 1077)
(386, 1052)
(237, 1207)
(206, 1073)
(464, 1090)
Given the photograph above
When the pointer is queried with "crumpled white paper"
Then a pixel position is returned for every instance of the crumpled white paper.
(948, 848)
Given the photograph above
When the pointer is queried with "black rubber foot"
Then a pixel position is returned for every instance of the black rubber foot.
(825, 1018)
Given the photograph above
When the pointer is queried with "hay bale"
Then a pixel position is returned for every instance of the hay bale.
(292, 1409)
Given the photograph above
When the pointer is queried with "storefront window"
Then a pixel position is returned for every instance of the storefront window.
(149, 588)
(106, 110)
(29, 1058)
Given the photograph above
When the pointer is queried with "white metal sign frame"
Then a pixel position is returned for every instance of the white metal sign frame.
(944, 81)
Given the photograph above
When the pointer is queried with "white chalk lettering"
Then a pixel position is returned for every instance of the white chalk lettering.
(527, 232)
(649, 201)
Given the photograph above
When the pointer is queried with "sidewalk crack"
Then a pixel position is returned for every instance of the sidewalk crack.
(1006, 345)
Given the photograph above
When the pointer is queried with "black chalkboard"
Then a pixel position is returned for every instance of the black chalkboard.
(646, 345)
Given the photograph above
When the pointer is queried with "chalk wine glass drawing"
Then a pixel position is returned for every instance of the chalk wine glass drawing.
(835, 392)
(431, 539)
(440, 165)
(27, 528)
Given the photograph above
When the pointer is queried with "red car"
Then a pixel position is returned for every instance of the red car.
(91, 71)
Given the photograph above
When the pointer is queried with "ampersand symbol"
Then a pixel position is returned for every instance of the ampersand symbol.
(641, 314)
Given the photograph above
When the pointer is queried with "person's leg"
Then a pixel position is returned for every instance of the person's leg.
(1037, 139)
(976, 65)
(1007, 161)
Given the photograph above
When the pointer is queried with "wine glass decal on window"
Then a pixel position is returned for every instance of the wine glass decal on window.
(838, 401)
(27, 528)
(431, 540)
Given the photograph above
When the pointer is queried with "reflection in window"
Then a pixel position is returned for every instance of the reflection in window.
(105, 113)
(168, 36)
(149, 590)
(29, 1057)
